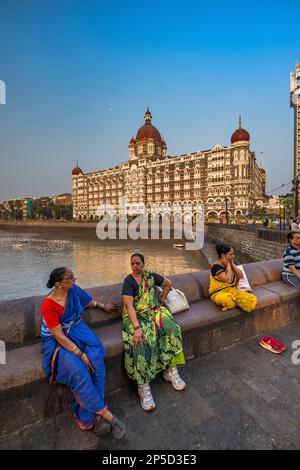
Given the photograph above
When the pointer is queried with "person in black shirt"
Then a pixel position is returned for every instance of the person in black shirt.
(152, 338)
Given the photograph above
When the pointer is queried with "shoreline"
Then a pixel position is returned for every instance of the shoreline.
(46, 224)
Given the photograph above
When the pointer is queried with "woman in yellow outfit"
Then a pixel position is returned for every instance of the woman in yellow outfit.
(224, 278)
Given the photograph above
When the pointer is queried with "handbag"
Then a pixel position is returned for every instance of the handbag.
(176, 300)
(243, 284)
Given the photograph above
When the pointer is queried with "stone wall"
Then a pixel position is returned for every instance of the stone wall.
(246, 241)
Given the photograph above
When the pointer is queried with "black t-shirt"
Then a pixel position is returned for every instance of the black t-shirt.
(131, 287)
(217, 269)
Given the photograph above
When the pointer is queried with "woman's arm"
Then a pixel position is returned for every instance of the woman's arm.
(87, 301)
(138, 334)
(237, 271)
(65, 342)
(226, 275)
(128, 302)
(166, 286)
(106, 307)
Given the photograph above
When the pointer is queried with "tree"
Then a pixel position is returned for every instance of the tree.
(63, 212)
(288, 201)
(15, 210)
(42, 208)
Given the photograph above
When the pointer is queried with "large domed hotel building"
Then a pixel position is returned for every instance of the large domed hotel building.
(216, 177)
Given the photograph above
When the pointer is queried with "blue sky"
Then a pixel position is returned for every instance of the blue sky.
(81, 73)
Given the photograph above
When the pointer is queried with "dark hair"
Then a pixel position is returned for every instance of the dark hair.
(56, 276)
(222, 249)
(291, 235)
(139, 256)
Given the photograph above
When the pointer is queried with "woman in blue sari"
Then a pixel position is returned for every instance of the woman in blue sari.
(73, 354)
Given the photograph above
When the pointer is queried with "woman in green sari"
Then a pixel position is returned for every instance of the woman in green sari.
(152, 338)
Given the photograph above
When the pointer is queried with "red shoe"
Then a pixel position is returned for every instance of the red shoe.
(272, 344)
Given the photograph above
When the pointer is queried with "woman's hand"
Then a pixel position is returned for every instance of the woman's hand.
(87, 362)
(166, 287)
(111, 306)
(138, 337)
(224, 261)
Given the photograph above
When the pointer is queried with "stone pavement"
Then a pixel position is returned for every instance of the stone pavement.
(243, 397)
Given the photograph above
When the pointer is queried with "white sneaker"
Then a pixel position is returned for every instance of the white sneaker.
(145, 394)
(173, 376)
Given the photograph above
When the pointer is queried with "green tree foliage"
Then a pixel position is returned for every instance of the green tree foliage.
(288, 202)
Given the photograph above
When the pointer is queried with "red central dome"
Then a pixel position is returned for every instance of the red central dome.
(240, 134)
(147, 131)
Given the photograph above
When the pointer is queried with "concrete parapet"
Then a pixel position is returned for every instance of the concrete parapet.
(28, 403)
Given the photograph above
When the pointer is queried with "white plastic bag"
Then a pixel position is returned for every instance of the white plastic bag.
(243, 283)
(176, 300)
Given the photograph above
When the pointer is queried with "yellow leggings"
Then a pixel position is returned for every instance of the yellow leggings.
(234, 297)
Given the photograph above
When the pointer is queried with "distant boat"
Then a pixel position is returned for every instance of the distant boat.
(178, 245)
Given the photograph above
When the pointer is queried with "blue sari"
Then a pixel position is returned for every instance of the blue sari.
(63, 366)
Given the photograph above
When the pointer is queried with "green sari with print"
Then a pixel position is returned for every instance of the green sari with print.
(162, 344)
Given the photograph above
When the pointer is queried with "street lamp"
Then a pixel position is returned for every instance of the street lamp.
(296, 190)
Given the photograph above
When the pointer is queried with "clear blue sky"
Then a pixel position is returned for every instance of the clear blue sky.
(80, 74)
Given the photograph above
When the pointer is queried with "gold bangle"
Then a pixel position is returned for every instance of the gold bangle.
(74, 348)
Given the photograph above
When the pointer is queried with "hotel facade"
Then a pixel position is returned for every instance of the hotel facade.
(218, 178)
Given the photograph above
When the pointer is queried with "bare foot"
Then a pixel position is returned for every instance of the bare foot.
(224, 309)
(107, 416)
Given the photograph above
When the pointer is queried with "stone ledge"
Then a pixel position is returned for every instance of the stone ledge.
(20, 320)
(28, 403)
(24, 364)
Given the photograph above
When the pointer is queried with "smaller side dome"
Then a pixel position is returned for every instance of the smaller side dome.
(77, 171)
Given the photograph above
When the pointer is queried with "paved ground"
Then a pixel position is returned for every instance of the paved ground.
(241, 398)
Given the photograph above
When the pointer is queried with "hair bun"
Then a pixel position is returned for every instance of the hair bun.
(222, 249)
(56, 276)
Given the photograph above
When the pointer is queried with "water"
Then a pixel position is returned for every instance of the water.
(24, 270)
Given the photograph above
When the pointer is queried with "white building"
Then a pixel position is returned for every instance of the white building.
(215, 177)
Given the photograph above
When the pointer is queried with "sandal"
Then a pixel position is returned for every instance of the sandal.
(118, 428)
(102, 427)
(272, 344)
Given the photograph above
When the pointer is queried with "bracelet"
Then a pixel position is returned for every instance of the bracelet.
(136, 327)
(80, 352)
